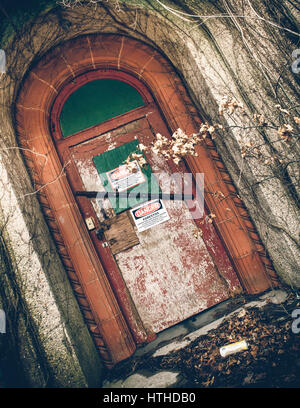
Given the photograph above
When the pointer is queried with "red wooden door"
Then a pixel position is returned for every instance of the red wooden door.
(171, 273)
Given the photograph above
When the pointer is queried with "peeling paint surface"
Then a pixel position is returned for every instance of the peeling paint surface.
(92, 182)
(170, 275)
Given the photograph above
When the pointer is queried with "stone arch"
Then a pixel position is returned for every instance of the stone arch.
(33, 111)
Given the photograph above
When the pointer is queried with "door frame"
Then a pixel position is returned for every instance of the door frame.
(150, 113)
(55, 71)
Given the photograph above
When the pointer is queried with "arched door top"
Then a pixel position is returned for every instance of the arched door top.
(52, 79)
(95, 97)
(95, 102)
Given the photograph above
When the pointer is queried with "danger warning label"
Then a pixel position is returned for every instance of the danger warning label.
(149, 214)
(121, 178)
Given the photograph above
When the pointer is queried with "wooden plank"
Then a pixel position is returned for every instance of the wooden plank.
(121, 234)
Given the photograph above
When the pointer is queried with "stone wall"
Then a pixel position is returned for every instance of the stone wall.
(44, 320)
(248, 59)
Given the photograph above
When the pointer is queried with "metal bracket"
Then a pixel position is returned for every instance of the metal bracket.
(149, 196)
(104, 226)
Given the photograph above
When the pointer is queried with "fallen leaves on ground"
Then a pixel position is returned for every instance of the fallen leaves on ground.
(272, 358)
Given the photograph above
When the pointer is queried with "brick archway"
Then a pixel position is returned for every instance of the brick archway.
(33, 110)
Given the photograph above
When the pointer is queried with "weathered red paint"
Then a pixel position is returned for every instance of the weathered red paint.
(175, 275)
(46, 83)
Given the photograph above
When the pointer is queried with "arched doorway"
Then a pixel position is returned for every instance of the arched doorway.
(163, 274)
(113, 302)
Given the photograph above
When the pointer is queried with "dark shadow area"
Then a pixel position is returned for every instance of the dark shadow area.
(11, 370)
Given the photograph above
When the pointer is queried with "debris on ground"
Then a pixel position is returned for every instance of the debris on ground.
(271, 360)
(233, 348)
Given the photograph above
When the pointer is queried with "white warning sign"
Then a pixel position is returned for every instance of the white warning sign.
(121, 178)
(149, 214)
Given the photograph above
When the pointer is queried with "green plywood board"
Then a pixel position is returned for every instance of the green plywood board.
(143, 181)
(96, 102)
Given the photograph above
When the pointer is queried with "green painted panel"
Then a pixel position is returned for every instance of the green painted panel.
(96, 102)
(108, 166)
